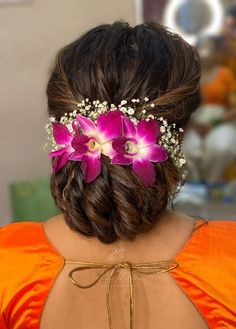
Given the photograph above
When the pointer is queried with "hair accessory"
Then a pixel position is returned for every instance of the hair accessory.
(126, 134)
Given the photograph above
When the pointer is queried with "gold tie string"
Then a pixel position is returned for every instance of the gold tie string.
(142, 268)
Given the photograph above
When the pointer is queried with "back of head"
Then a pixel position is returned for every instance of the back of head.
(113, 63)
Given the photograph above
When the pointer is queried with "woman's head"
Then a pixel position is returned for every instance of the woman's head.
(112, 63)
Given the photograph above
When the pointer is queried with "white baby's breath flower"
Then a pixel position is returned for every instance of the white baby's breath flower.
(162, 129)
(130, 111)
(123, 109)
(182, 161)
(52, 119)
(134, 120)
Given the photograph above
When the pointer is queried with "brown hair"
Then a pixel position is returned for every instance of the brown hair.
(112, 63)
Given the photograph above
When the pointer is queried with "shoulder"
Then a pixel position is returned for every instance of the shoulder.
(222, 226)
(19, 259)
(211, 244)
(218, 231)
(18, 244)
(212, 248)
(25, 241)
(217, 238)
(209, 256)
(25, 251)
(207, 270)
(19, 234)
(28, 267)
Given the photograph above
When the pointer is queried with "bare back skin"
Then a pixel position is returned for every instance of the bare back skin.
(159, 301)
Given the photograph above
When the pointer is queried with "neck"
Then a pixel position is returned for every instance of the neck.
(161, 242)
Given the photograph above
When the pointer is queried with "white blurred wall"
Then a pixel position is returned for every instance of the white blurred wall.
(30, 36)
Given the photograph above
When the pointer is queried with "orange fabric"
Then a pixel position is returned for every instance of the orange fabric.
(30, 265)
(219, 89)
(207, 273)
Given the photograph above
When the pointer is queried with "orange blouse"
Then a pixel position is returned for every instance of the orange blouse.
(30, 265)
(218, 91)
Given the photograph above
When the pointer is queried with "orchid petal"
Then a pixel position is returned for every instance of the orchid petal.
(81, 139)
(68, 149)
(154, 153)
(91, 167)
(109, 125)
(108, 150)
(59, 163)
(118, 144)
(129, 129)
(145, 170)
(76, 156)
(75, 125)
(80, 148)
(148, 132)
(79, 142)
(61, 134)
(122, 159)
(58, 152)
(86, 124)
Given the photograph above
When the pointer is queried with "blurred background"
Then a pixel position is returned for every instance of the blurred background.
(31, 33)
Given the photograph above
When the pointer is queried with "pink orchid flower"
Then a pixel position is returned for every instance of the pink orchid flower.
(94, 141)
(138, 146)
(62, 136)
